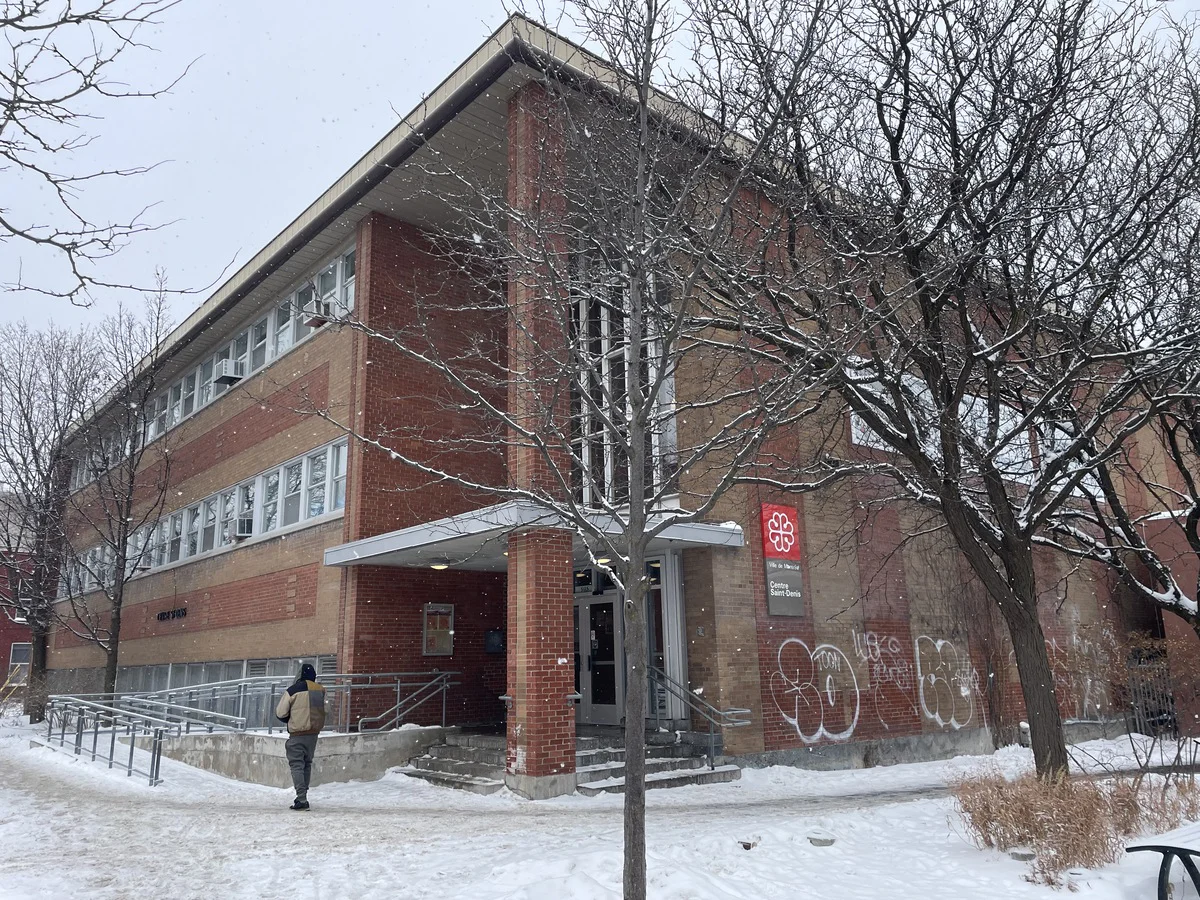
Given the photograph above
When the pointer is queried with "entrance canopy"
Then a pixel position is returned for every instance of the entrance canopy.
(478, 539)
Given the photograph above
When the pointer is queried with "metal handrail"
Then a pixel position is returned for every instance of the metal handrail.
(405, 705)
(734, 717)
(108, 721)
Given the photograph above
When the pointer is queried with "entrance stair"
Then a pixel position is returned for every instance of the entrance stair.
(475, 762)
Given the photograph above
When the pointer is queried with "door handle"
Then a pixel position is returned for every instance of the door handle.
(589, 662)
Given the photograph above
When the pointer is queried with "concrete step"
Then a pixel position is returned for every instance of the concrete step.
(609, 770)
(458, 767)
(667, 779)
(479, 755)
(470, 783)
(480, 741)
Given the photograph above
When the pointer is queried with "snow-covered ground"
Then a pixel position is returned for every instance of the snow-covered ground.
(70, 829)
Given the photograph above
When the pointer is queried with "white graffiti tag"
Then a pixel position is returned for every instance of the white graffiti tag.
(946, 682)
(811, 688)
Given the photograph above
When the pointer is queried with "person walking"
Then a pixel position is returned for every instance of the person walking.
(303, 708)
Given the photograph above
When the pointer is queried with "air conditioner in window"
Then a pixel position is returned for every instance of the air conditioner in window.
(317, 312)
(227, 371)
(245, 527)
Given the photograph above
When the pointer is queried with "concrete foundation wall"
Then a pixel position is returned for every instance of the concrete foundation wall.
(879, 752)
(260, 758)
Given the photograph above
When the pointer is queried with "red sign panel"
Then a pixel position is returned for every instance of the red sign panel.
(780, 532)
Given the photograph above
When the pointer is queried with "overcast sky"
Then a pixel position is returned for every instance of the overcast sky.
(282, 98)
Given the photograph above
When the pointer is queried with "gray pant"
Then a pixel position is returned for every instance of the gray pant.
(300, 749)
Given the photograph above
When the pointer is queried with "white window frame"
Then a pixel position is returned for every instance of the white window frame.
(216, 519)
(12, 660)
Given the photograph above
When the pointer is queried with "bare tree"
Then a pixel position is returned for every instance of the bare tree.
(112, 524)
(61, 58)
(1142, 516)
(994, 197)
(46, 380)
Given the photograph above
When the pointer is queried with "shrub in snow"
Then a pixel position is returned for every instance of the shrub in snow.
(1071, 824)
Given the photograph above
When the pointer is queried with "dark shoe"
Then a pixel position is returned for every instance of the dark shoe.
(299, 805)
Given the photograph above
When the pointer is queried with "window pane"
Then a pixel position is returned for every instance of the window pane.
(205, 389)
(283, 327)
(193, 531)
(293, 478)
(189, 394)
(327, 281)
(270, 513)
(176, 544)
(208, 534)
(258, 345)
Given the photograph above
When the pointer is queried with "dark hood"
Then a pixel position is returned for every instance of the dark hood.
(307, 673)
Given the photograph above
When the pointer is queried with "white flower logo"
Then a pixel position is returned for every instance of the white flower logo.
(780, 532)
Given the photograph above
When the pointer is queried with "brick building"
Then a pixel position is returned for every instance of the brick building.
(282, 540)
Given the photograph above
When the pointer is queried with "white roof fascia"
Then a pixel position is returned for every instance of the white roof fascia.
(510, 516)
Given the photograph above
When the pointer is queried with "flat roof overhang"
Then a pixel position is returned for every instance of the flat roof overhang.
(477, 540)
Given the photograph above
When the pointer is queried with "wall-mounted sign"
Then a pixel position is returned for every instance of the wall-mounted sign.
(167, 614)
(781, 560)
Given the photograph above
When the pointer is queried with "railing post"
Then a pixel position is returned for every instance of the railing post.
(78, 733)
(112, 743)
(271, 711)
(712, 744)
(156, 757)
(445, 688)
(133, 736)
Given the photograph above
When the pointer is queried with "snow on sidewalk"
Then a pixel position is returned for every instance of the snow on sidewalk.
(75, 829)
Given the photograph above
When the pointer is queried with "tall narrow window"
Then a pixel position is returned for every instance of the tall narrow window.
(337, 498)
(192, 546)
(258, 345)
(160, 416)
(348, 281)
(245, 515)
(208, 530)
(293, 481)
(175, 410)
(205, 388)
(175, 537)
(189, 393)
(228, 517)
(315, 491)
(270, 502)
(283, 327)
(304, 305)
(241, 352)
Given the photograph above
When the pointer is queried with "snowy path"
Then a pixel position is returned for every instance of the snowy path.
(73, 829)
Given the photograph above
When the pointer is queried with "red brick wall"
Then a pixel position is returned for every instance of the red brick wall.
(286, 594)
(407, 293)
(388, 612)
(541, 671)
(10, 633)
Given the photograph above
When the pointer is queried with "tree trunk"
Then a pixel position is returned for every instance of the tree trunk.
(1037, 687)
(636, 690)
(114, 646)
(35, 690)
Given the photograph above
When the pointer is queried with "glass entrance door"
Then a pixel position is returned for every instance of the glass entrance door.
(599, 658)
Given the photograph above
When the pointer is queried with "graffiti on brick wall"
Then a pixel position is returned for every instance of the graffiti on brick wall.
(890, 676)
(816, 691)
(947, 683)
